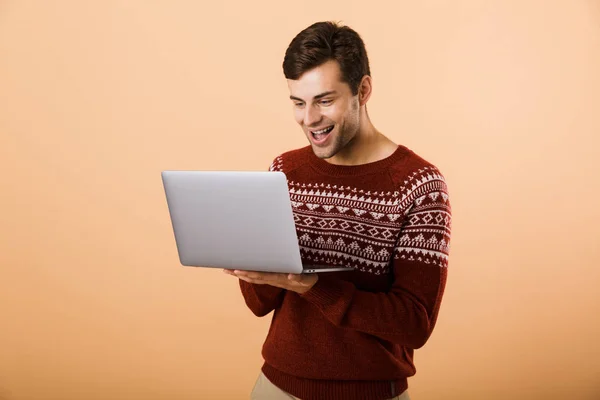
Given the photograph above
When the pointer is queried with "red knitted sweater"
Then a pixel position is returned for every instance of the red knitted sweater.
(352, 336)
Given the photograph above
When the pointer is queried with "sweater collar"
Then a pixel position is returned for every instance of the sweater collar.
(330, 169)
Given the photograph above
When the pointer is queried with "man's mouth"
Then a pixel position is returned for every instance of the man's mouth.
(321, 133)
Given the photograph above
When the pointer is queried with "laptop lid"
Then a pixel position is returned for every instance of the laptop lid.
(233, 219)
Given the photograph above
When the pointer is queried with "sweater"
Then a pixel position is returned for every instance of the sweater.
(353, 334)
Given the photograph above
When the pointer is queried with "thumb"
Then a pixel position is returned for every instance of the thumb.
(295, 277)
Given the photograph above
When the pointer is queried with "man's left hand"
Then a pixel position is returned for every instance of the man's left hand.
(299, 283)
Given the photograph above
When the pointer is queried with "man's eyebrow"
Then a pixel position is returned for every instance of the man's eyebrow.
(317, 97)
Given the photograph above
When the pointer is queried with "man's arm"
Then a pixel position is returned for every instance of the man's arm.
(407, 313)
(261, 299)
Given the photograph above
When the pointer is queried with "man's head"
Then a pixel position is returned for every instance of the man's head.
(328, 75)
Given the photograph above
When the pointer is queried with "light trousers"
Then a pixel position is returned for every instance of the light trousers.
(265, 390)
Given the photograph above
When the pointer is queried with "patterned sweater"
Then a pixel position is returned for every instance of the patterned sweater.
(352, 336)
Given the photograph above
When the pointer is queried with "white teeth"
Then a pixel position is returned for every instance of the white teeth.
(321, 131)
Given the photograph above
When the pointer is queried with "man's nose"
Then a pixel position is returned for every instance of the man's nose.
(311, 116)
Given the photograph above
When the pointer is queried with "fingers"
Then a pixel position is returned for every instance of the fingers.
(267, 277)
(262, 282)
(253, 277)
(250, 280)
(282, 280)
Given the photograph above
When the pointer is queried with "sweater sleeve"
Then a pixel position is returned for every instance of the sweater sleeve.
(407, 312)
(261, 299)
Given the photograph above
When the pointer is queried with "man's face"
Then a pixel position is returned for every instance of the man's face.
(325, 108)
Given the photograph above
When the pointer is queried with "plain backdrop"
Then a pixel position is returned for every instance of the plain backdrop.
(98, 97)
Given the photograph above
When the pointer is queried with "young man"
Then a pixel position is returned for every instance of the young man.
(359, 201)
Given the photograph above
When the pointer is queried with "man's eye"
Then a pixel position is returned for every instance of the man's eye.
(326, 102)
(298, 104)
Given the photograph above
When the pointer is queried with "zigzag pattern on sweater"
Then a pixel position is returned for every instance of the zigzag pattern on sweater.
(368, 230)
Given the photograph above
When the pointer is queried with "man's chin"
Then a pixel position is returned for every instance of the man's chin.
(322, 153)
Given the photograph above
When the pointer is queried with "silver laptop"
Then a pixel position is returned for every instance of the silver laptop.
(235, 220)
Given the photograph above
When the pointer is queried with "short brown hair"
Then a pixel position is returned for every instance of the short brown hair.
(324, 41)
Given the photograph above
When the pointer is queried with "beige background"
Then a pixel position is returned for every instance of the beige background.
(96, 98)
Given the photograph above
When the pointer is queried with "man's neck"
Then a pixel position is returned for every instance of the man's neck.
(369, 145)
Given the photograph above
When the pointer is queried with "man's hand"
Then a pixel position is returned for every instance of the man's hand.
(299, 283)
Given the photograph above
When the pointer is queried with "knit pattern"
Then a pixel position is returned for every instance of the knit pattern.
(358, 228)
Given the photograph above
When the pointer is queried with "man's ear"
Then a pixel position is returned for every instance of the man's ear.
(364, 90)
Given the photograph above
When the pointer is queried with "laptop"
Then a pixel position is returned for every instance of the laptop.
(235, 220)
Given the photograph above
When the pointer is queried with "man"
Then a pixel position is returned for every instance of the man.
(360, 201)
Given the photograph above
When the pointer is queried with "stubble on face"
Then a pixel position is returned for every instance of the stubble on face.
(344, 114)
(347, 128)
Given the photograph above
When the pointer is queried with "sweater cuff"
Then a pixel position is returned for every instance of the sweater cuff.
(267, 291)
(327, 292)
